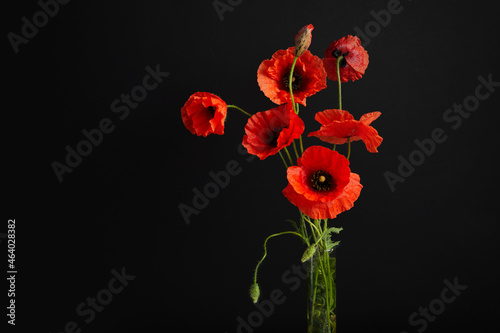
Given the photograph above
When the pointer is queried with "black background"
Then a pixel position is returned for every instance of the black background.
(119, 207)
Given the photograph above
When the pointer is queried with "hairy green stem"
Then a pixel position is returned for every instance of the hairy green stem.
(289, 156)
(290, 84)
(338, 80)
(283, 159)
(240, 109)
(295, 149)
(265, 249)
(348, 147)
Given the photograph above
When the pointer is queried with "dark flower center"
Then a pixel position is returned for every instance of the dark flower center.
(211, 109)
(337, 53)
(322, 181)
(296, 81)
(274, 135)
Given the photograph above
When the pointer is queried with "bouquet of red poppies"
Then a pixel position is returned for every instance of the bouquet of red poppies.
(320, 182)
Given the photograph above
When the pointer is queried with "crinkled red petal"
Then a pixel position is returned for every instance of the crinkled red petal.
(271, 72)
(368, 118)
(262, 126)
(321, 204)
(199, 119)
(326, 209)
(338, 125)
(357, 59)
(328, 116)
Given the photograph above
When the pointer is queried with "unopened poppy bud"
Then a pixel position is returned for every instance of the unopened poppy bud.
(254, 292)
(303, 40)
(308, 253)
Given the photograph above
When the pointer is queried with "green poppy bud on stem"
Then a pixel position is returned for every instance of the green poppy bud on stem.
(254, 292)
(308, 253)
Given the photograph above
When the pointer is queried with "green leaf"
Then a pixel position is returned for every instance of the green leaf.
(293, 223)
(335, 230)
(330, 245)
(328, 237)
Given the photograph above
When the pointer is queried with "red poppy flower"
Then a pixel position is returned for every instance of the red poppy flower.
(269, 131)
(204, 113)
(322, 185)
(273, 76)
(352, 65)
(303, 40)
(338, 125)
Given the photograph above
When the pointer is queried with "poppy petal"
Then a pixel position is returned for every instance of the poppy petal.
(334, 196)
(204, 113)
(272, 76)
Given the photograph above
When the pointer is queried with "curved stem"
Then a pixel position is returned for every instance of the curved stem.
(240, 109)
(265, 249)
(323, 232)
(313, 227)
(290, 84)
(338, 80)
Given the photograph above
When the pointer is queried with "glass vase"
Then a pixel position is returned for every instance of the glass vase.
(322, 292)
